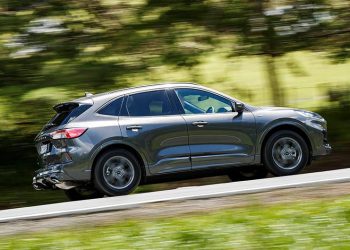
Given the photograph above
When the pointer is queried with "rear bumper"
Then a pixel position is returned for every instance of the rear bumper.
(51, 178)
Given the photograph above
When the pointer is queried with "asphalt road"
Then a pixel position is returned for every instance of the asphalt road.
(186, 193)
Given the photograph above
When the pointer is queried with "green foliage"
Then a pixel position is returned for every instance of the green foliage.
(53, 51)
(300, 225)
(78, 46)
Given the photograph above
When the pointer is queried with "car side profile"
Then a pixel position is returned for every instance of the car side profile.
(108, 144)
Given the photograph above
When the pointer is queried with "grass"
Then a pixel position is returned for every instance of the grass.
(321, 224)
(26, 196)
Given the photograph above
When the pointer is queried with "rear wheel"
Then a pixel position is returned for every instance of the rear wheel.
(248, 173)
(117, 172)
(82, 193)
(285, 153)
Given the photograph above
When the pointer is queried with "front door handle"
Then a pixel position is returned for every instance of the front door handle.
(199, 124)
(134, 127)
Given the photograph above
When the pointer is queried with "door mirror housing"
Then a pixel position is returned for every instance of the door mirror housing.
(203, 98)
(239, 107)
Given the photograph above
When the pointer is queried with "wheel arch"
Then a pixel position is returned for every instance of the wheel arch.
(118, 145)
(286, 126)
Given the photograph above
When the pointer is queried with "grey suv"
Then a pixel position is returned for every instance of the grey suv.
(107, 144)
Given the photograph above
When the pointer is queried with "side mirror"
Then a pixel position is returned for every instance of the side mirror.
(239, 107)
(202, 98)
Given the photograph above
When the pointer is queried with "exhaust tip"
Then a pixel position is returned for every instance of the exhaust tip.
(39, 186)
(55, 181)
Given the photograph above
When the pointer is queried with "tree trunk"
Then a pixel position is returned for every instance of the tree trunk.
(274, 83)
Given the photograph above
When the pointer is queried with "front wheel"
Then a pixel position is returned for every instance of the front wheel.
(117, 172)
(285, 153)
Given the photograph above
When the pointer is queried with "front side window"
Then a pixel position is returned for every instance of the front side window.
(153, 103)
(196, 101)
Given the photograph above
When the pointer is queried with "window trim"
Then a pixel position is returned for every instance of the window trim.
(204, 90)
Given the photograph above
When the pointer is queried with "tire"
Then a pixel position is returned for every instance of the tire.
(285, 153)
(82, 193)
(117, 172)
(248, 173)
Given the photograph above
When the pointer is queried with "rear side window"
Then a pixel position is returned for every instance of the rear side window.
(153, 103)
(66, 112)
(112, 108)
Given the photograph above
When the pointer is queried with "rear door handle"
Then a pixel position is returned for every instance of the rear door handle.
(199, 124)
(134, 127)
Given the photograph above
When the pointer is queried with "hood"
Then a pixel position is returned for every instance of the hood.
(289, 112)
(268, 108)
(279, 109)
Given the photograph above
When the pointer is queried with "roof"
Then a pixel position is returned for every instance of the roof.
(103, 97)
(115, 93)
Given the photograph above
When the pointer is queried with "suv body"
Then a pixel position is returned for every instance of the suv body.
(171, 128)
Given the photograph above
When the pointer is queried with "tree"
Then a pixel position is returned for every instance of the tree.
(259, 27)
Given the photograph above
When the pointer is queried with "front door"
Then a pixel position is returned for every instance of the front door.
(218, 136)
(149, 122)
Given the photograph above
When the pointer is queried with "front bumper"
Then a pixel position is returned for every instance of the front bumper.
(323, 150)
(327, 149)
(51, 178)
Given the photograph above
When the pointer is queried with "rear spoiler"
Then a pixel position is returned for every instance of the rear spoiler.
(67, 106)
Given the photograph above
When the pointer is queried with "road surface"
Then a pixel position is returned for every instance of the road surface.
(186, 193)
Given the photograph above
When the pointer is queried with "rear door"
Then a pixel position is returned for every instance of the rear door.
(218, 135)
(150, 122)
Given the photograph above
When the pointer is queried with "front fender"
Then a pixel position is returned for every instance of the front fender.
(275, 125)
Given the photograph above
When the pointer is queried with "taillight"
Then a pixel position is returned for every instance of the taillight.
(69, 133)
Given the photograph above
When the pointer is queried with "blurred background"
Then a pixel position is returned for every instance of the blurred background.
(282, 53)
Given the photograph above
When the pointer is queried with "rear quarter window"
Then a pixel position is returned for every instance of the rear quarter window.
(112, 108)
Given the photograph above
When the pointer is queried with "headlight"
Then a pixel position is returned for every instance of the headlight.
(314, 120)
(309, 114)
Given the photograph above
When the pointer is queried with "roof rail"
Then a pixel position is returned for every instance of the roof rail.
(150, 85)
